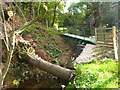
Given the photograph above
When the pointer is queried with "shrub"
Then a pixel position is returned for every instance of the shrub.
(99, 74)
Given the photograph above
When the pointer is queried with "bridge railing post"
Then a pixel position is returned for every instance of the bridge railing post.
(107, 37)
(115, 42)
(96, 35)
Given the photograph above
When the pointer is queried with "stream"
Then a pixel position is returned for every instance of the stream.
(79, 48)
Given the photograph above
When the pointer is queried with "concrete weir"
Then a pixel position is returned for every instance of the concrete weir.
(86, 54)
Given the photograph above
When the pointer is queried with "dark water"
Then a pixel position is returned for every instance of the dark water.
(79, 48)
(43, 84)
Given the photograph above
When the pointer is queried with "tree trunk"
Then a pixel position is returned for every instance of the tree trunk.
(31, 9)
(54, 16)
(55, 13)
(97, 14)
(17, 6)
(53, 69)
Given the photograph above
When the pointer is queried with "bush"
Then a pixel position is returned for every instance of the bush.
(96, 75)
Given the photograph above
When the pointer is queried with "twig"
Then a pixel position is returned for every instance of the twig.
(39, 6)
(21, 12)
(21, 29)
(9, 58)
(4, 25)
(11, 46)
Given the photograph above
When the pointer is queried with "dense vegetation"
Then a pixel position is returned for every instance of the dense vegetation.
(36, 28)
(97, 74)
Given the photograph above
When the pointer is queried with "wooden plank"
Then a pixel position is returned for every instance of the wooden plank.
(111, 35)
(103, 28)
(108, 36)
(107, 40)
(99, 37)
(104, 37)
(105, 45)
(104, 42)
(105, 33)
(96, 34)
(114, 42)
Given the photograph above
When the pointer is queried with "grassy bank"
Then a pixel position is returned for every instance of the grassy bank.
(119, 55)
(96, 75)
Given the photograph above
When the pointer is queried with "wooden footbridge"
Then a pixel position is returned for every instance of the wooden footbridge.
(91, 40)
(104, 37)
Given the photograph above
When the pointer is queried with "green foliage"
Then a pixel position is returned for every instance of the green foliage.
(119, 57)
(62, 29)
(53, 31)
(21, 72)
(34, 28)
(77, 14)
(96, 75)
(16, 82)
(77, 18)
(74, 31)
(25, 9)
(110, 13)
(31, 28)
(57, 61)
(91, 14)
(47, 12)
(53, 50)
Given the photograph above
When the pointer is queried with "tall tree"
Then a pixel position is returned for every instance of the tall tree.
(31, 9)
(110, 13)
(55, 8)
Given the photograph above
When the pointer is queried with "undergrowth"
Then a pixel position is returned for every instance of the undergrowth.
(97, 74)
(53, 50)
(34, 28)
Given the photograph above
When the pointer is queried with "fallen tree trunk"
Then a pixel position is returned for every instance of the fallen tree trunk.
(53, 69)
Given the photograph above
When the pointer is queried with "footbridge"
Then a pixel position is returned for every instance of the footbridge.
(87, 39)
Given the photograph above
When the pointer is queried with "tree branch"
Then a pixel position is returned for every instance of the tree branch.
(55, 12)
(21, 29)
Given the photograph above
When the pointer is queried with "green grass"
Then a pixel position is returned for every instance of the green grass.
(53, 50)
(119, 54)
(95, 75)
(33, 29)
